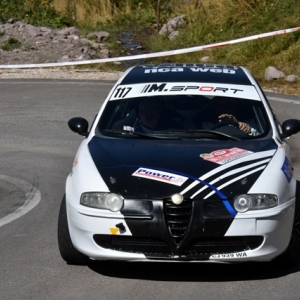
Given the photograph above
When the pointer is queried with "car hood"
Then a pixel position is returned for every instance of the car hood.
(157, 169)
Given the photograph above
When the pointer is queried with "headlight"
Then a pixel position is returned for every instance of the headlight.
(113, 202)
(243, 203)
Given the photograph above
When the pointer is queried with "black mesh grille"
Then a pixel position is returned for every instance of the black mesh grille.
(132, 244)
(208, 246)
(178, 218)
(201, 248)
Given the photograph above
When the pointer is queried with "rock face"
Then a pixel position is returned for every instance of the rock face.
(26, 44)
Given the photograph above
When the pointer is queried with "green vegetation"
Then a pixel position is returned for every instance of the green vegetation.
(208, 21)
(35, 12)
(11, 44)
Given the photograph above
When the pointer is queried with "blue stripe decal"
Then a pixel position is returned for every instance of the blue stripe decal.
(229, 208)
(219, 193)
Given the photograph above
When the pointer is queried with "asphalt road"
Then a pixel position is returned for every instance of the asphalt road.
(36, 154)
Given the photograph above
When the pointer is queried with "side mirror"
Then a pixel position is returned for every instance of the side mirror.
(290, 127)
(79, 125)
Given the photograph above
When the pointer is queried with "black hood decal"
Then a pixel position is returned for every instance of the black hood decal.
(157, 169)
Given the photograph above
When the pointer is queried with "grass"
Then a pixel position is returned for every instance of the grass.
(91, 11)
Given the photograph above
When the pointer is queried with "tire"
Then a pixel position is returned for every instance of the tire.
(67, 251)
(292, 254)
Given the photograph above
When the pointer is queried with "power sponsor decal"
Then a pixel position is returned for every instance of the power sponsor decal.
(160, 176)
(225, 156)
(177, 88)
(287, 169)
(228, 255)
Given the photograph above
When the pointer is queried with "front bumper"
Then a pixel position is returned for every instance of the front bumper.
(149, 230)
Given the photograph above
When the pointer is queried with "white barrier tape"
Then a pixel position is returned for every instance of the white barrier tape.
(151, 55)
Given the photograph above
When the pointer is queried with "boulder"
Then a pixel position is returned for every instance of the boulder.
(99, 35)
(272, 73)
(33, 31)
(173, 35)
(292, 78)
(172, 25)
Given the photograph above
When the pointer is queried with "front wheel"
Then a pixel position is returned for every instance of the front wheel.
(67, 250)
(292, 254)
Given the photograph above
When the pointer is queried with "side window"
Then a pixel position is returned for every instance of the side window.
(260, 119)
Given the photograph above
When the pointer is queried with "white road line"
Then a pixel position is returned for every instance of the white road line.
(278, 99)
(33, 197)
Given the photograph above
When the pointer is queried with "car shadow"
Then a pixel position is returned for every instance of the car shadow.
(192, 272)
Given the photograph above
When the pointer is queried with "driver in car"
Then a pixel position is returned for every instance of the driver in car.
(151, 117)
(242, 125)
(149, 114)
(227, 111)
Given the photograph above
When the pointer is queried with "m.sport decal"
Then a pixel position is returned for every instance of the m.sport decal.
(188, 88)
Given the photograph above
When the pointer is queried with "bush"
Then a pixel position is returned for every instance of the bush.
(11, 44)
(35, 12)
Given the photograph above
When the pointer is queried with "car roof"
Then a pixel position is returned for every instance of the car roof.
(206, 73)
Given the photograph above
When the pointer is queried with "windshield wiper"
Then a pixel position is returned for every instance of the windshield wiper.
(193, 131)
(145, 135)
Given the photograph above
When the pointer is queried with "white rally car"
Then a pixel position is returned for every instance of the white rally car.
(184, 162)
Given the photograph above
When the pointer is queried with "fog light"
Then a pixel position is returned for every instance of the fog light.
(177, 199)
(242, 203)
(114, 202)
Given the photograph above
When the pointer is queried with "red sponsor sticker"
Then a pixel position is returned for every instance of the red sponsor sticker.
(224, 156)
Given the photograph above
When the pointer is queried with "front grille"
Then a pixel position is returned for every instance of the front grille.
(178, 218)
(208, 246)
(132, 244)
(201, 248)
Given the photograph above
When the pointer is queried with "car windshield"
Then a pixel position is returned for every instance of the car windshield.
(184, 116)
